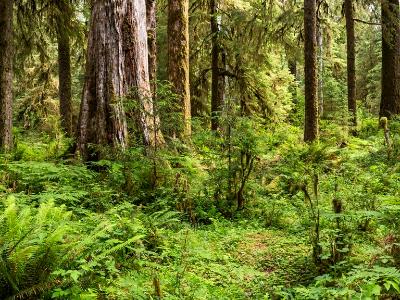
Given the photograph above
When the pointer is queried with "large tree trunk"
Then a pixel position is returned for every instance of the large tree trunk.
(152, 43)
(217, 77)
(178, 57)
(351, 62)
(117, 69)
(390, 98)
(64, 75)
(6, 73)
(310, 71)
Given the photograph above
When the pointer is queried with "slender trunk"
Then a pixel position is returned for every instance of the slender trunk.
(320, 43)
(64, 75)
(6, 73)
(178, 57)
(310, 71)
(351, 62)
(217, 77)
(292, 65)
(152, 43)
(390, 98)
(117, 69)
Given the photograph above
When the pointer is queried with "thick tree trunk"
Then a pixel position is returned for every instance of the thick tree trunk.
(217, 77)
(6, 73)
(310, 71)
(351, 62)
(390, 98)
(178, 57)
(117, 69)
(64, 75)
(152, 43)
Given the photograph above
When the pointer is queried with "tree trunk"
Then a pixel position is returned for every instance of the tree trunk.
(117, 69)
(390, 97)
(152, 43)
(64, 75)
(292, 65)
(6, 73)
(217, 78)
(178, 57)
(320, 43)
(310, 71)
(351, 62)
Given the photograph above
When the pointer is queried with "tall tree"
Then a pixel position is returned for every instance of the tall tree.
(320, 59)
(217, 59)
(63, 19)
(6, 73)
(390, 97)
(117, 68)
(310, 71)
(178, 56)
(351, 61)
(151, 20)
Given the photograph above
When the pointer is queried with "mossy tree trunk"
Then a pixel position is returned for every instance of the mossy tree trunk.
(152, 43)
(390, 97)
(320, 58)
(351, 62)
(178, 58)
(6, 73)
(64, 73)
(116, 71)
(310, 71)
(217, 60)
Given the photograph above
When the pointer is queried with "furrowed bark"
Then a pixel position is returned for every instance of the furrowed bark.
(64, 75)
(310, 71)
(152, 43)
(217, 59)
(6, 74)
(117, 70)
(178, 57)
(351, 62)
(390, 97)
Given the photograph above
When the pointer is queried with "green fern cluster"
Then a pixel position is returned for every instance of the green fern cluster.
(46, 249)
(32, 243)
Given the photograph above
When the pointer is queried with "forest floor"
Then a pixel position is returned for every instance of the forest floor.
(249, 257)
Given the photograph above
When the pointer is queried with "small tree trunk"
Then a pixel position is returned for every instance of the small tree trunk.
(178, 57)
(6, 73)
(217, 78)
(64, 75)
(152, 43)
(292, 65)
(310, 71)
(117, 68)
(320, 42)
(351, 62)
(390, 98)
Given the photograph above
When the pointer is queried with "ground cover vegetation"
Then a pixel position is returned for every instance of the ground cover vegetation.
(219, 149)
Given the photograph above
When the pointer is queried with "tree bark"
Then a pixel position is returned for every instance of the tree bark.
(217, 78)
(292, 65)
(310, 71)
(6, 74)
(351, 62)
(152, 43)
(320, 44)
(178, 57)
(64, 75)
(117, 69)
(390, 97)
